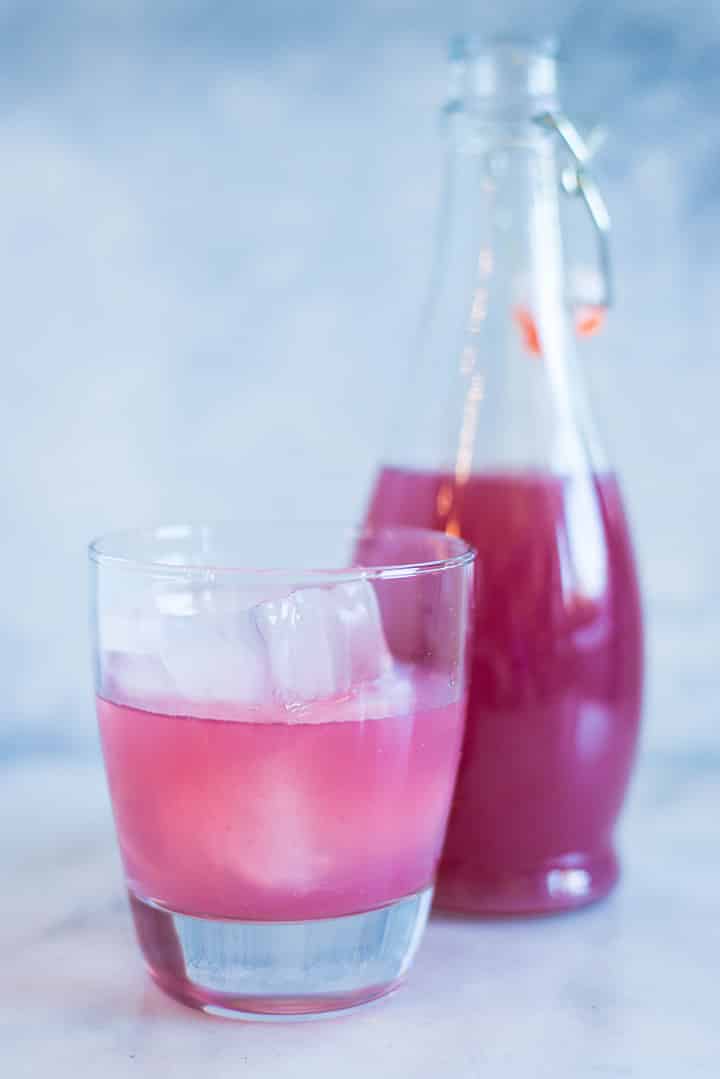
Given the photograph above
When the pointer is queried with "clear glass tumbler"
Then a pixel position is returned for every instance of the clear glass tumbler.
(281, 746)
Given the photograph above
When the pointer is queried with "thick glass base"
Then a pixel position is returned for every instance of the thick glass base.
(258, 970)
(561, 884)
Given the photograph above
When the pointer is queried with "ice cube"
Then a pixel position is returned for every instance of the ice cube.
(321, 642)
(393, 694)
(281, 809)
(133, 632)
(213, 658)
(305, 651)
(188, 649)
(359, 620)
(135, 679)
(198, 646)
(132, 671)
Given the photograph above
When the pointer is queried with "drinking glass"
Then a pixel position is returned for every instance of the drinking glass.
(281, 712)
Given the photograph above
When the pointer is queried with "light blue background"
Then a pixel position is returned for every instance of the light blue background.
(214, 233)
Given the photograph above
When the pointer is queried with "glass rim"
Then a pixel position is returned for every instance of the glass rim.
(460, 553)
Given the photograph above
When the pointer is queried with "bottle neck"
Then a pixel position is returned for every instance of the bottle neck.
(498, 325)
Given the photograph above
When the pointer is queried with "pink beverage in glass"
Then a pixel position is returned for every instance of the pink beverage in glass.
(262, 814)
(281, 751)
(556, 680)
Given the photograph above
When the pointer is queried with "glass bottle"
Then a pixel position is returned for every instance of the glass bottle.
(493, 441)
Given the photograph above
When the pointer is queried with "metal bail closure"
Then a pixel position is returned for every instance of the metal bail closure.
(577, 180)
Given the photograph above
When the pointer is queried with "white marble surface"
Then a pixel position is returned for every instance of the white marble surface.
(628, 988)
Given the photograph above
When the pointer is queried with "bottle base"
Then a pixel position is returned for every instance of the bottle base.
(280, 970)
(564, 884)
